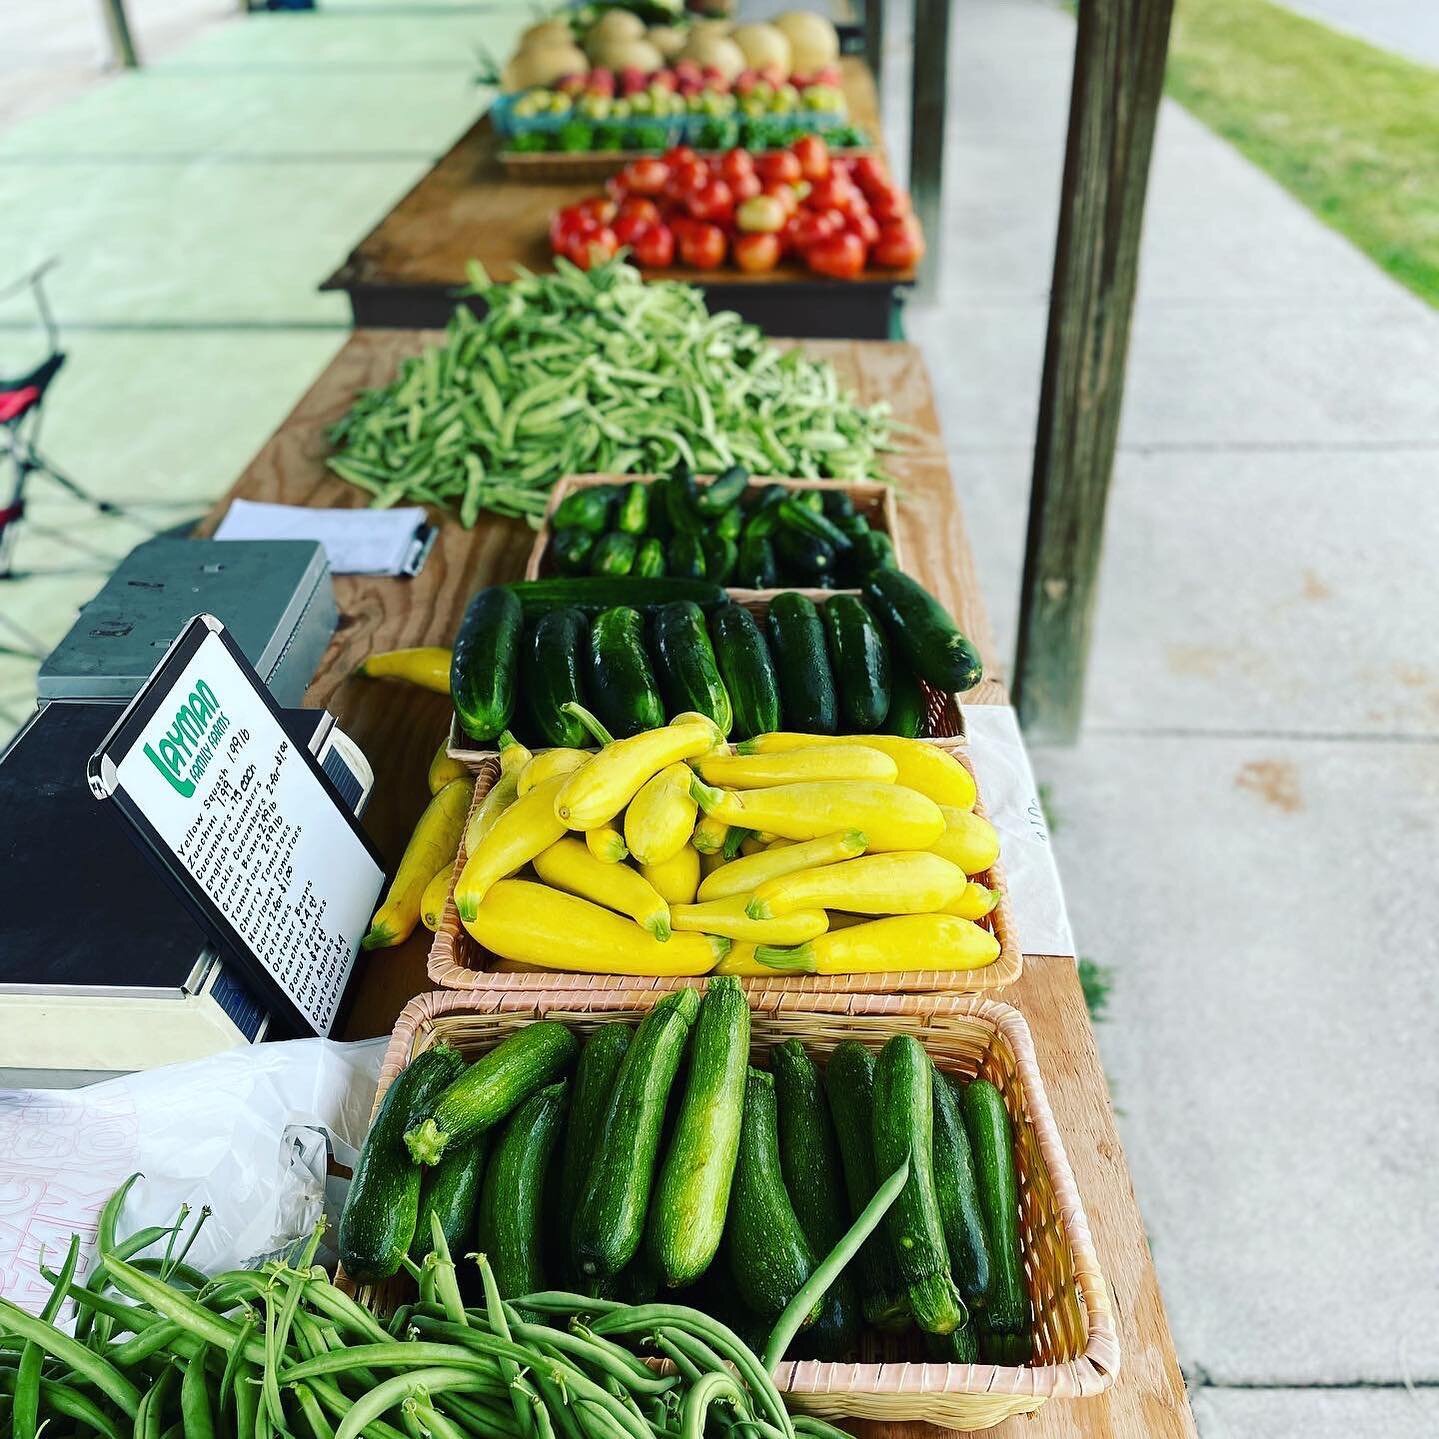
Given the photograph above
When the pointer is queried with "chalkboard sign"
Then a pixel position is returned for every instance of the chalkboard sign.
(243, 822)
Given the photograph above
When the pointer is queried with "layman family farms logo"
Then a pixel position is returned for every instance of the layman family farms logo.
(188, 746)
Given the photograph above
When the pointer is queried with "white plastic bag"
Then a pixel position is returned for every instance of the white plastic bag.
(245, 1132)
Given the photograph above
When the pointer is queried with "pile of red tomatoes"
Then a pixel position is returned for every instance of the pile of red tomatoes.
(837, 215)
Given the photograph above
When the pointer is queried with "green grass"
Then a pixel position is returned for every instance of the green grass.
(1096, 980)
(1349, 130)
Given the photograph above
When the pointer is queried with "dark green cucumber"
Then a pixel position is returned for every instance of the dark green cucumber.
(685, 556)
(768, 1255)
(594, 593)
(721, 556)
(923, 632)
(855, 525)
(586, 508)
(687, 1214)
(595, 1074)
(837, 505)
(765, 499)
(450, 1190)
(682, 504)
(861, 662)
(610, 1221)
(872, 551)
(658, 523)
(380, 1212)
(550, 675)
(958, 1191)
(801, 518)
(686, 666)
(804, 558)
(484, 662)
(809, 1160)
(908, 713)
(903, 1127)
(614, 555)
(746, 670)
(812, 500)
(755, 568)
(491, 1087)
(722, 491)
(570, 551)
(622, 688)
(633, 512)
(808, 700)
(508, 1223)
(649, 559)
(730, 525)
(849, 1083)
(991, 1137)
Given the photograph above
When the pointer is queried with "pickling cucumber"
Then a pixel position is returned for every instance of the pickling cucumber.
(550, 676)
(484, 662)
(622, 688)
(808, 700)
(685, 664)
(746, 670)
(861, 663)
(614, 555)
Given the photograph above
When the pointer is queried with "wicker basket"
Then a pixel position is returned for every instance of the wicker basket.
(596, 166)
(458, 961)
(1075, 1345)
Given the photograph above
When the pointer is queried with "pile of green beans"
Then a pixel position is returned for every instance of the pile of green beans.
(161, 1352)
(596, 371)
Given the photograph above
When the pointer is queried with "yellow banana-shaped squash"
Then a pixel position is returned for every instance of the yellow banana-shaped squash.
(710, 835)
(513, 759)
(976, 902)
(549, 763)
(432, 902)
(932, 771)
(758, 771)
(891, 816)
(534, 924)
(443, 769)
(882, 946)
(710, 861)
(729, 917)
(677, 879)
(597, 792)
(427, 666)
(745, 875)
(968, 840)
(741, 963)
(521, 832)
(753, 844)
(569, 866)
(606, 843)
(661, 817)
(901, 882)
(436, 836)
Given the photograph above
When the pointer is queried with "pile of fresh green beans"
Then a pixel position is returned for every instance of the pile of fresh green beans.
(161, 1352)
(577, 372)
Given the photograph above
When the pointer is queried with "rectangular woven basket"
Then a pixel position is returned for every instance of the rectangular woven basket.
(1074, 1343)
(458, 961)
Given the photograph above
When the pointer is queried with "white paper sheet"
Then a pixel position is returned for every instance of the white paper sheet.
(357, 542)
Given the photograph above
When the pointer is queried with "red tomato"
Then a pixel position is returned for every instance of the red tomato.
(645, 176)
(600, 208)
(761, 214)
(687, 178)
(702, 246)
(778, 166)
(746, 186)
(863, 225)
(637, 207)
(757, 252)
(899, 246)
(592, 247)
(870, 173)
(890, 204)
(655, 248)
(811, 227)
(567, 221)
(785, 194)
(715, 202)
(813, 156)
(734, 164)
(833, 193)
(628, 228)
(840, 256)
(678, 155)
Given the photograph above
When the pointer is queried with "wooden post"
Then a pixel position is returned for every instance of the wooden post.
(122, 43)
(929, 91)
(874, 41)
(1118, 77)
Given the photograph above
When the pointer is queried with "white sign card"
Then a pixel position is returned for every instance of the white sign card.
(243, 818)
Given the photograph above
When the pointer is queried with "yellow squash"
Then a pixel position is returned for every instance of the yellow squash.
(758, 771)
(741, 963)
(594, 794)
(677, 879)
(435, 838)
(968, 841)
(606, 843)
(745, 875)
(521, 832)
(534, 924)
(932, 771)
(428, 667)
(710, 835)
(569, 866)
(432, 902)
(883, 946)
(661, 817)
(728, 917)
(752, 844)
(976, 902)
(891, 816)
(443, 769)
(710, 861)
(901, 882)
(549, 763)
(513, 759)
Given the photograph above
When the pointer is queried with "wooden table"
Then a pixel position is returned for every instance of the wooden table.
(399, 729)
(405, 271)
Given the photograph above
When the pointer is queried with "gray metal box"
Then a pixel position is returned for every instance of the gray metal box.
(274, 596)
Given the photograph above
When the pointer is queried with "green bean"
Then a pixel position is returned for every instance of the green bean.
(478, 1415)
(314, 1415)
(234, 1360)
(439, 1425)
(495, 1312)
(393, 1391)
(25, 1409)
(152, 1406)
(817, 1428)
(194, 1317)
(247, 1405)
(195, 1401)
(75, 1405)
(559, 1410)
(715, 1387)
(74, 1355)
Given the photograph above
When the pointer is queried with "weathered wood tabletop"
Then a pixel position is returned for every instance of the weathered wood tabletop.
(465, 208)
(399, 728)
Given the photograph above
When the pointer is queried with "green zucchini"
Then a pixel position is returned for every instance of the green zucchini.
(959, 1346)
(730, 525)
(484, 661)
(849, 1083)
(621, 686)
(812, 500)
(809, 1161)
(755, 565)
(685, 556)
(585, 508)
(491, 1087)
(746, 670)
(595, 1074)
(903, 1127)
(721, 555)
(923, 631)
(570, 550)
(686, 666)
(508, 1223)
(802, 519)
(908, 713)
(855, 525)
(768, 1256)
(550, 675)
(861, 662)
(650, 559)
(682, 504)
(614, 555)
(873, 551)
(837, 505)
(633, 512)
(610, 1220)
(450, 1190)
(804, 558)
(986, 1120)
(722, 491)
(380, 1212)
(958, 1191)
(766, 498)
(808, 700)
(687, 1214)
(594, 593)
